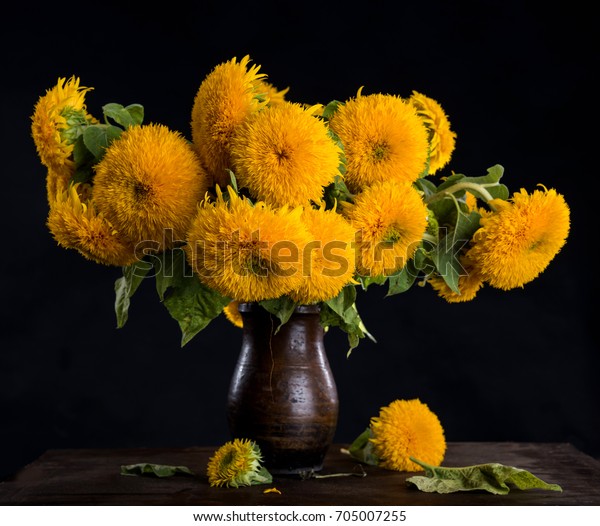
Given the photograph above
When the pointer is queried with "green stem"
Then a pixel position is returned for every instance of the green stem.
(430, 238)
(480, 188)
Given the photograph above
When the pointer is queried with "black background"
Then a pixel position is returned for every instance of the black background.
(516, 82)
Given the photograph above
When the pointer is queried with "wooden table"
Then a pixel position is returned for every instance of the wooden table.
(92, 477)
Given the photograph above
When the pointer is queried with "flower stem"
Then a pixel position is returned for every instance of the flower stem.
(480, 188)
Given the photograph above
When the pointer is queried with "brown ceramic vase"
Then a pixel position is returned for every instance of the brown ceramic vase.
(282, 393)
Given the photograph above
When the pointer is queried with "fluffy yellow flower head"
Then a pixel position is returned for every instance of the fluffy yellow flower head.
(384, 140)
(328, 260)
(149, 184)
(407, 428)
(390, 219)
(517, 241)
(233, 314)
(224, 99)
(284, 155)
(468, 284)
(54, 123)
(250, 252)
(237, 463)
(76, 225)
(442, 139)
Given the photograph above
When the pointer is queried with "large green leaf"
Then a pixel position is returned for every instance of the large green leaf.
(131, 115)
(446, 254)
(341, 312)
(126, 286)
(157, 470)
(188, 300)
(98, 137)
(493, 478)
(282, 308)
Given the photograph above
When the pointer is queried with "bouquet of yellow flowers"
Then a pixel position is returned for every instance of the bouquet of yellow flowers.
(283, 203)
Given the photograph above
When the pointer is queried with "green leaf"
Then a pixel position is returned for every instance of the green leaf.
(191, 303)
(98, 137)
(157, 470)
(337, 313)
(402, 280)
(366, 281)
(446, 254)
(131, 115)
(282, 308)
(344, 301)
(493, 478)
(362, 448)
(84, 161)
(426, 186)
(126, 286)
(331, 108)
(136, 111)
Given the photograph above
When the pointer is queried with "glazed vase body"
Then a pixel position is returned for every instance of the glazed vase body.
(282, 393)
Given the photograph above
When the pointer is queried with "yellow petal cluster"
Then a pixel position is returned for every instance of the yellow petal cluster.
(517, 241)
(469, 284)
(234, 464)
(442, 140)
(249, 252)
(404, 429)
(284, 155)
(227, 95)
(390, 219)
(149, 184)
(77, 225)
(269, 92)
(328, 259)
(384, 140)
(232, 313)
(61, 109)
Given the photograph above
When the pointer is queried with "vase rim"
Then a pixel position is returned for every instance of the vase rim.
(300, 309)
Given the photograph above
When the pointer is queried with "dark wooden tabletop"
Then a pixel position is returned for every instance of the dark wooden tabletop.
(92, 477)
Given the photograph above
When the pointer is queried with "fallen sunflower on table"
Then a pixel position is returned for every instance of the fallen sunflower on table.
(237, 463)
(403, 429)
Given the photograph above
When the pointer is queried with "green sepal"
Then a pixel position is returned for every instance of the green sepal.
(282, 308)
(126, 286)
(494, 478)
(362, 448)
(156, 470)
(262, 476)
(336, 192)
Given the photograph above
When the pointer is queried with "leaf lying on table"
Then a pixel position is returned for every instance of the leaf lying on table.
(158, 470)
(494, 478)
